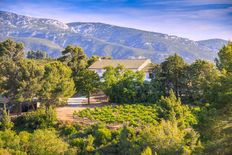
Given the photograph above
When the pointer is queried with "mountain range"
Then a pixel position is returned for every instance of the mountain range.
(102, 39)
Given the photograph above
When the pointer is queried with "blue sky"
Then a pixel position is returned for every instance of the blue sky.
(194, 19)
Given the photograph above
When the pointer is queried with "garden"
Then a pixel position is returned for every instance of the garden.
(130, 114)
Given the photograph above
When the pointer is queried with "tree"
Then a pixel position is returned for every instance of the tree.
(122, 85)
(86, 82)
(11, 54)
(22, 82)
(29, 79)
(74, 57)
(46, 142)
(9, 84)
(225, 57)
(202, 75)
(93, 59)
(11, 50)
(126, 140)
(57, 84)
(216, 119)
(171, 108)
(173, 75)
(167, 138)
(37, 55)
(6, 123)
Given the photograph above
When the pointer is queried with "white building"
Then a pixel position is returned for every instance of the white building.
(132, 64)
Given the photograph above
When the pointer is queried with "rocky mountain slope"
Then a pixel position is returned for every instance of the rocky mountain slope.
(102, 39)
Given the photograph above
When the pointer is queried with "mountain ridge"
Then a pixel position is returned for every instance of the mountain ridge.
(97, 38)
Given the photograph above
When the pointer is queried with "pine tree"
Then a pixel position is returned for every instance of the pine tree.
(6, 123)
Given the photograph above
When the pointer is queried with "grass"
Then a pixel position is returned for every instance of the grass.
(133, 114)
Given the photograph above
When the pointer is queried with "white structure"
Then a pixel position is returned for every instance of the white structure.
(132, 64)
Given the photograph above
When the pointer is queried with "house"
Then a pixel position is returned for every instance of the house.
(132, 64)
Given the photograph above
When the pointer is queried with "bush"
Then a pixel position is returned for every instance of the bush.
(68, 129)
(84, 144)
(4, 152)
(6, 123)
(37, 120)
(167, 138)
(46, 142)
(9, 139)
(103, 136)
(171, 108)
(147, 151)
(24, 140)
(164, 138)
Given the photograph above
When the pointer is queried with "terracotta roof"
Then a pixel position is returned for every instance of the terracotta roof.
(127, 63)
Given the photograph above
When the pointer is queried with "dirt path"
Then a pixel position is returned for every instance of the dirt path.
(65, 114)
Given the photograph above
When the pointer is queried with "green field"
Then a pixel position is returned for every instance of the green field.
(135, 114)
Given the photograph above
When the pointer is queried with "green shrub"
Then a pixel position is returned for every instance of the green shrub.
(147, 151)
(102, 136)
(168, 138)
(84, 144)
(24, 140)
(46, 142)
(68, 129)
(37, 120)
(171, 108)
(6, 123)
(4, 152)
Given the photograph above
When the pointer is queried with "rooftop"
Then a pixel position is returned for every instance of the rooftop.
(127, 63)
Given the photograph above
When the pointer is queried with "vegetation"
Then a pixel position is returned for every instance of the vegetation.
(39, 119)
(135, 115)
(57, 84)
(122, 85)
(6, 123)
(169, 108)
(87, 81)
(184, 109)
(37, 55)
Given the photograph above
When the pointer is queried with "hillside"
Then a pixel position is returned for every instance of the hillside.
(102, 39)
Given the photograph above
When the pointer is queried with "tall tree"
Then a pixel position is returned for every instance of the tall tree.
(225, 57)
(11, 54)
(57, 84)
(201, 75)
(171, 108)
(11, 50)
(29, 80)
(6, 123)
(22, 82)
(75, 58)
(173, 74)
(87, 81)
(217, 119)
